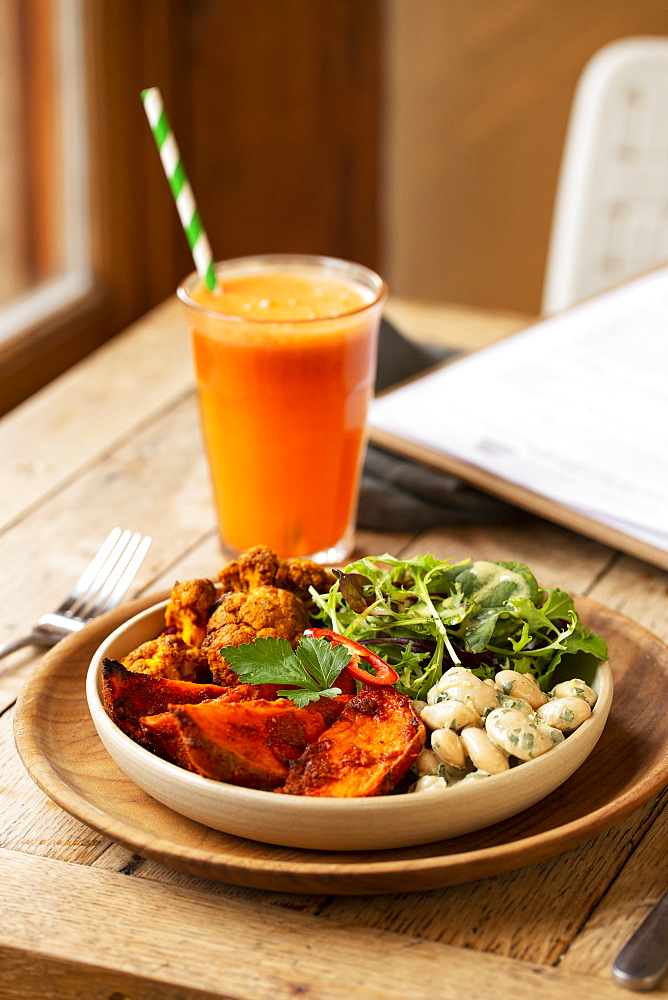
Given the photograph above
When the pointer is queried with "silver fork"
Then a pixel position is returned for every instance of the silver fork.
(101, 587)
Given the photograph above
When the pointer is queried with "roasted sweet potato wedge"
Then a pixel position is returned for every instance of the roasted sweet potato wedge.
(161, 735)
(252, 743)
(365, 752)
(253, 692)
(128, 696)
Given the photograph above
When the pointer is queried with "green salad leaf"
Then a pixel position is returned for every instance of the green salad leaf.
(424, 615)
(310, 669)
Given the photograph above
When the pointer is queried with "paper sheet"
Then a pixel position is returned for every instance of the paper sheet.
(575, 409)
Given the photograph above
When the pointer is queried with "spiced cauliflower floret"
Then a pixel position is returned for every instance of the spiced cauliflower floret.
(188, 609)
(261, 567)
(254, 568)
(167, 656)
(298, 575)
(245, 616)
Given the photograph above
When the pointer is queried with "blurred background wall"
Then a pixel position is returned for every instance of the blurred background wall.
(477, 95)
(420, 137)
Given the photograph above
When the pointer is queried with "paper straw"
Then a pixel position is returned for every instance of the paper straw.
(180, 185)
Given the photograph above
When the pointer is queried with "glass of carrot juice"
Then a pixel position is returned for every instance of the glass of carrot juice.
(285, 358)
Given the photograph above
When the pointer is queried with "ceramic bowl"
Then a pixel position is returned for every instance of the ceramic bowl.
(390, 821)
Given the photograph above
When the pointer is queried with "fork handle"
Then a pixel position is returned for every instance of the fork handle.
(26, 640)
(642, 962)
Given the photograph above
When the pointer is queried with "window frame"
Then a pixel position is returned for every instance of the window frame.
(102, 290)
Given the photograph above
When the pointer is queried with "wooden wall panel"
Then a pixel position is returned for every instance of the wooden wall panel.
(282, 123)
(274, 106)
(478, 94)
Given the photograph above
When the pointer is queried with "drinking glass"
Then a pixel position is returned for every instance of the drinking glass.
(285, 358)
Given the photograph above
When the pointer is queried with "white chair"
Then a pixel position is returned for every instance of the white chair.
(610, 220)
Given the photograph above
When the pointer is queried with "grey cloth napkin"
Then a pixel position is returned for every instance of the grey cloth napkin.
(399, 494)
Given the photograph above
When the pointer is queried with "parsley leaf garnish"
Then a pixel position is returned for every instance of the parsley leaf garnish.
(312, 667)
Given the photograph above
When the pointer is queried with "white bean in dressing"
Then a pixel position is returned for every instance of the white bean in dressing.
(575, 688)
(506, 701)
(565, 714)
(484, 754)
(514, 732)
(460, 684)
(523, 686)
(480, 728)
(427, 763)
(450, 715)
(429, 783)
(449, 748)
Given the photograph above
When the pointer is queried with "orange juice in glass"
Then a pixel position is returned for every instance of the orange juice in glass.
(285, 358)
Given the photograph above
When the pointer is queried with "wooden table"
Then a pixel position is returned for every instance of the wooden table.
(116, 440)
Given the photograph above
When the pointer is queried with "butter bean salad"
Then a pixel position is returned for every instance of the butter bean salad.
(483, 727)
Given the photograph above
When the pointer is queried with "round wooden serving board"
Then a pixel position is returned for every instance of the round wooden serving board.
(60, 748)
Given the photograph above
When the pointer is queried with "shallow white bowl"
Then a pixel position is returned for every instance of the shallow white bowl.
(389, 821)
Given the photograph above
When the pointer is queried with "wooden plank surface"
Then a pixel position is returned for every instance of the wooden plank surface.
(500, 916)
(457, 326)
(554, 926)
(44, 442)
(335, 961)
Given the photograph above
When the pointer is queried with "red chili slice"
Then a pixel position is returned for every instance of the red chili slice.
(385, 674)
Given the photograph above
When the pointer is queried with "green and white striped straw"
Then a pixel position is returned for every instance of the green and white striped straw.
(180, 185)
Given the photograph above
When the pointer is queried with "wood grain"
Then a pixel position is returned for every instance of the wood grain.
(623, 907)
(60, 748)
(637, 590)
(50, 429)
(57, 835)
(281, 124)
(329, 962)
(118, 859)
(456, 326)
(501, 916)
(157, 482)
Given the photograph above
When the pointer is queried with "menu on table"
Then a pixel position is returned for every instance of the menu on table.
(568, 418)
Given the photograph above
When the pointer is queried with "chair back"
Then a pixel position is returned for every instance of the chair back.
(610, 220)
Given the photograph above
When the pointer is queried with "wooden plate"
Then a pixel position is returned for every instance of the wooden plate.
(385, 822)
(60, 748)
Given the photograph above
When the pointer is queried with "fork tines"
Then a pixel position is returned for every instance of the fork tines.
(106, 579)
